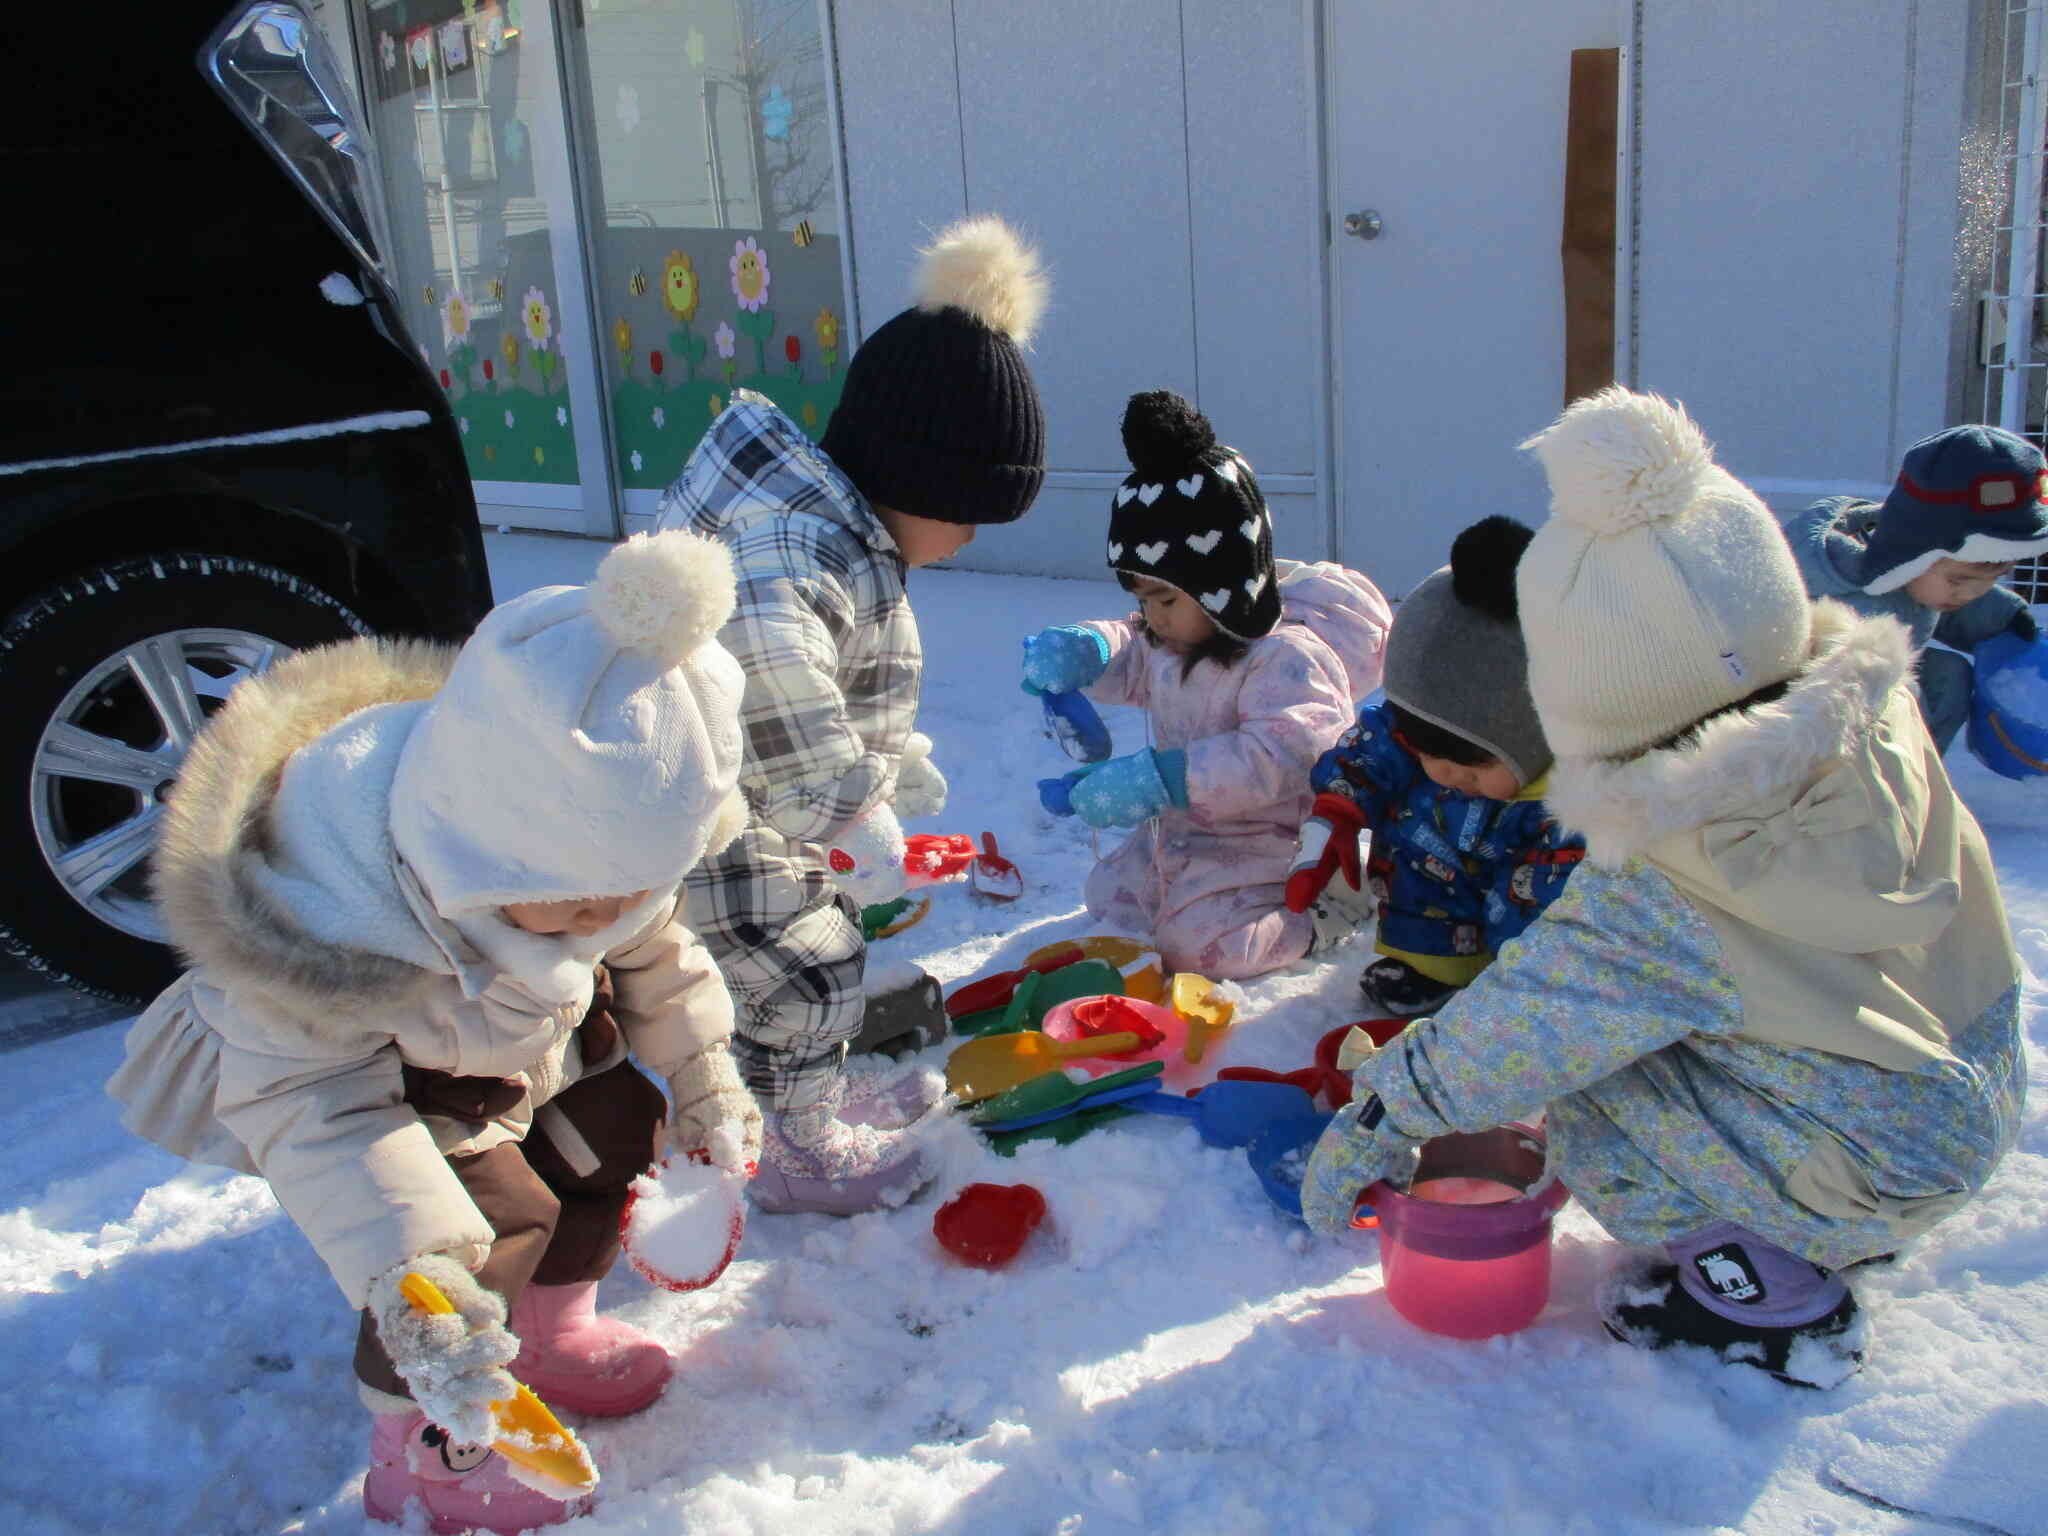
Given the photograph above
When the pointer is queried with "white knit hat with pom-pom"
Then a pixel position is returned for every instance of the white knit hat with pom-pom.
(1661, 589)
(587, 741)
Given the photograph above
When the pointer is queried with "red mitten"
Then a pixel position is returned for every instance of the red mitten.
(1329, 841)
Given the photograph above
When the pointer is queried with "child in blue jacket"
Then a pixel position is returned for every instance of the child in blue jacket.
(1448, 778)
(1967, 504)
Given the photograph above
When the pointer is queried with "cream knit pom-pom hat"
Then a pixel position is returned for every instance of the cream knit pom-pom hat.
(1660, 590)
(587, 741)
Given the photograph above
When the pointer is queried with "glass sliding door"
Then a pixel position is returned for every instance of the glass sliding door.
(467, 104)
(707, 155)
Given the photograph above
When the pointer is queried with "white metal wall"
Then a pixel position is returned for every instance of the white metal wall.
(1796, 206)
(1161, 154)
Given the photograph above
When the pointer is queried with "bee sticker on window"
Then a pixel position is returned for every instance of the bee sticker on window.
(802, 234)
(637, 283)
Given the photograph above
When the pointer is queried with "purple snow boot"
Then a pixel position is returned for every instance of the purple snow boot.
(812, 1160)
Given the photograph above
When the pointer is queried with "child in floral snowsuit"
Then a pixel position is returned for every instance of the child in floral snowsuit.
(1773, 1021)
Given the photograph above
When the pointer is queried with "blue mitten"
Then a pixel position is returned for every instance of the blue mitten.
(1357, 1149)
(1127, 790)
(1064, 659)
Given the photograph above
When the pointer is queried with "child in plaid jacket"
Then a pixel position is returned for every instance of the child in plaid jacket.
(938, 430)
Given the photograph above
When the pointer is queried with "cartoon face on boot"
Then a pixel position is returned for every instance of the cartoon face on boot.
(458, 1456)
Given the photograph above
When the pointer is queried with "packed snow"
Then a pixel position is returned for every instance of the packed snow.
(1168, 1353)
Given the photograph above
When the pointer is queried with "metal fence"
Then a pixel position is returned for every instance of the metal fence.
(2013, 339)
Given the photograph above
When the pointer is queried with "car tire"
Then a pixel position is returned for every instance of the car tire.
(108, 676)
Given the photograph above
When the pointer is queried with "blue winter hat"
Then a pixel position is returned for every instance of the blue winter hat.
(1968, 493)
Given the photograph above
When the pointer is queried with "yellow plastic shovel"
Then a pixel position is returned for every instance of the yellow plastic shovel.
(529, 1436)
(995, 1064)
(1208, 1014)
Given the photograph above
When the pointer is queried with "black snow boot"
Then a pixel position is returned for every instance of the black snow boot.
(903, 1019)
(1647, 1306)
(1399, 991)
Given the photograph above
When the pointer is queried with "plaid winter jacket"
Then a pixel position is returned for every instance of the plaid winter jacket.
(822, 626)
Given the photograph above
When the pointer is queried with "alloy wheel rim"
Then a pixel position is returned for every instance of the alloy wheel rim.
(110, 752)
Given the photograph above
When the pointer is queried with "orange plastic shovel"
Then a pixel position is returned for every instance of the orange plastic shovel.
(994, 1064)
(549, 1457)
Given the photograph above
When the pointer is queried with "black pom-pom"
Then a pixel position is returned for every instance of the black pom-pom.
(1163, 433)
(1483, 561)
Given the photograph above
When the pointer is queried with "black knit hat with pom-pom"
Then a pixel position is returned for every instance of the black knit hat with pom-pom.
(1190, 515)
(1455, 655)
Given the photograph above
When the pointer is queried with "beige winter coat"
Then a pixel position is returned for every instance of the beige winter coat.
(319, 972)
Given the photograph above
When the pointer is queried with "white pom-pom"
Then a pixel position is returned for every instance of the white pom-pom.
(1618, 460)
(980, 265)
(664, 594)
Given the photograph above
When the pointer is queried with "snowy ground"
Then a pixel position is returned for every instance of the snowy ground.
(1169, 1355)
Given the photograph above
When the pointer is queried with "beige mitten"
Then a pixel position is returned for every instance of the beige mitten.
(707, 1094)
(453, 1362)
(920, 787)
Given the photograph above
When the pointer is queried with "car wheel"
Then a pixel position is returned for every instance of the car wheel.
(108, 678)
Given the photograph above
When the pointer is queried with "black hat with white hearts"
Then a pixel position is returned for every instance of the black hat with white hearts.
(1190, 515)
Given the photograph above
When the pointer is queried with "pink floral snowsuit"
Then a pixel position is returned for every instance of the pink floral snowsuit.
(1206, 883)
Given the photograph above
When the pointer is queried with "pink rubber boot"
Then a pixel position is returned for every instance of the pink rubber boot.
(461, 1487)
(572, 1358)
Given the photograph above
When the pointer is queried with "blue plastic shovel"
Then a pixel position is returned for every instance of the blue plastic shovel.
(1231, 1114)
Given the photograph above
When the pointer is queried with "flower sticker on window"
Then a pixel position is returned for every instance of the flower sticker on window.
(387, 51)
(622, 338)
(539, 319)
(679, 290)
(455, 318)
(749, 267)
(827, 328)
(660, 418)
(636, 461)
(561, 415)
(725, 340)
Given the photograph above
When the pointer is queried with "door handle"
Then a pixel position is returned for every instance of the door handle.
(1364, 224)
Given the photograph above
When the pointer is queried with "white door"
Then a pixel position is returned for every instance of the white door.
(1447, 122)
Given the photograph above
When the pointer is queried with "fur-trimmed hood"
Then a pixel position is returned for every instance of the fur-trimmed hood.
(235, 896)
(1625, 806)
(1824, 817)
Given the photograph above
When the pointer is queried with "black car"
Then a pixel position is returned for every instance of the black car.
(217, 442)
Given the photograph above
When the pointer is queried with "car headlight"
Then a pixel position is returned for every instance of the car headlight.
(272, 63)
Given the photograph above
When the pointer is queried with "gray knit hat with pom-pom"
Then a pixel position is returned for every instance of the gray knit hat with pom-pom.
(1455, 655)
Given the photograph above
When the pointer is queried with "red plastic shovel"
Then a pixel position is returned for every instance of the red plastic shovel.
(994, 991)
(993, 876)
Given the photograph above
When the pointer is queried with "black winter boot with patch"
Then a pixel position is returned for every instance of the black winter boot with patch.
(1743, 1299)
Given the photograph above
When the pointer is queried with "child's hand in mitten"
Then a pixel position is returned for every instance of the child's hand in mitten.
(1356, 1150)
(1329, 842)
(1127, 790)
(867, 858)
(2024, 626)
(1064, 659)
(453, 1362)
(920, 787)
(706, 1094)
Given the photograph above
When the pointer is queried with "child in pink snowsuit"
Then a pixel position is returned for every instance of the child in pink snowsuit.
(1247, 668)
